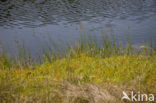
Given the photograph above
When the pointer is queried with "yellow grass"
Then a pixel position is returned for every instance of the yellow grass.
(78, 79)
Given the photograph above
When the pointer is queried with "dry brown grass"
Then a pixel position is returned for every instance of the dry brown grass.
(87, 93)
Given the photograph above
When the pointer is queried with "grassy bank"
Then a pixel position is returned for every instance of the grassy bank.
(87, 73)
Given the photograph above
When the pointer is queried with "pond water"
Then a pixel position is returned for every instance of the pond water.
(33, 22)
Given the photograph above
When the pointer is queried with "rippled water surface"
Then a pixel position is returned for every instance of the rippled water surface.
(35, 21)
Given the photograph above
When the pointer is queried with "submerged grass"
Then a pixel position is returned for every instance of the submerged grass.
(87, 73)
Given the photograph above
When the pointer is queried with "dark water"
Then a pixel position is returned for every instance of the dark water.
(33, 22)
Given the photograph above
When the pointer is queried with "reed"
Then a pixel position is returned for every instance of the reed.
(86, 72)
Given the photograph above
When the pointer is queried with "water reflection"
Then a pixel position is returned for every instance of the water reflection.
(60, 20)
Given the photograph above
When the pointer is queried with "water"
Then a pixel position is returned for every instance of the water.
(33, 22)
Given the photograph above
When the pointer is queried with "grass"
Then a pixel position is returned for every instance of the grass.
(87, 73)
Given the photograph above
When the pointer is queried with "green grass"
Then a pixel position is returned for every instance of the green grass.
(87, 73)
(47, 80)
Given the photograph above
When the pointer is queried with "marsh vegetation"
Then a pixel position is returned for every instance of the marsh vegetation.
(76, 51)
(85, 73)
